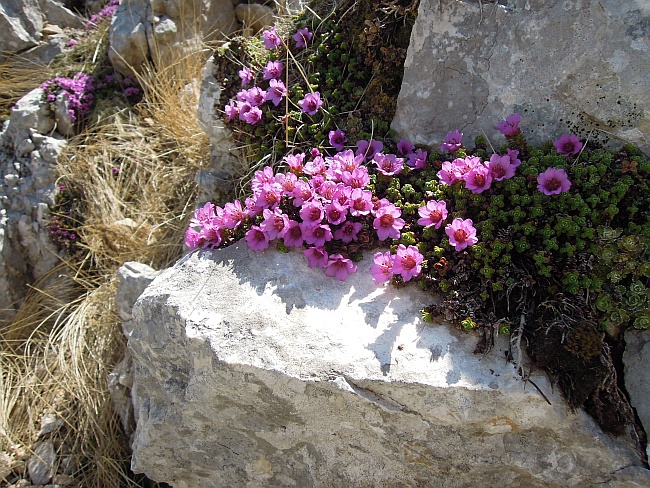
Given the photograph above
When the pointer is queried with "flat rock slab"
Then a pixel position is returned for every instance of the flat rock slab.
(252, 369)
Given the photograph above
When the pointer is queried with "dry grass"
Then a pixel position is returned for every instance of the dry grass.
(57, 353)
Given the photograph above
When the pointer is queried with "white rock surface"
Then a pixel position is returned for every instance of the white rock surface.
(253, 370)
(21, 22)
(56, 13)
(133, 278)
(565, 66)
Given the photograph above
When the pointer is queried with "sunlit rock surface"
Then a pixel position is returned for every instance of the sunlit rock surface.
(252, 369)
(565, 66)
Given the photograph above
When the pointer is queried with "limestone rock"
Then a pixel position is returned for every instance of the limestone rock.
(28, 114)
(636, 360)
(41, 464)
(56, 13)
(64, 123)
(134, 277)
(252, 369)
(224, 160)
(565, 66)
(157, 30)
(254, 16)
(21, 22)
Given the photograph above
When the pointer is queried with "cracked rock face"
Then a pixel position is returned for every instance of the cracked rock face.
(566, 66)
(252, 369)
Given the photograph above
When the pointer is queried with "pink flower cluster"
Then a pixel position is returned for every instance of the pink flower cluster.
(105, 13)
(478, 175)
(79, 92)
(321, 199)
(407, 262)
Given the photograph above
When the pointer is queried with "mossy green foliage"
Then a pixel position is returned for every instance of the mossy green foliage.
(591, 244)
(355, 60)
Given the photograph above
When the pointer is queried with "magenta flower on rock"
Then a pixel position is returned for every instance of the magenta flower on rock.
(315, 167)
(317, 234)
(295, 161)
(302, 37)
(452, 141)
(246, 76)
(311, 103)
(252, 116)
(388, 164)
(293, 235)
(510, 126)
(553, 181)
(271, 39)
(513, 154)
(337, 139)
(501, 167)
(446, 174)
(368, 149)
(339, 267)
(360, 202)
(193, 238)
(276, 92)
(408, 262)
(256, 238)
(405, 147)
(302, 193)
(461, 233)
(336, 213)
(382, 270)
(433, 214)
(388, 222)
(203, 215)
(418, 159)
(275, 223)
(478, 179)
(272, 70)
(358, 178)
(233, 214)
(255, 96)
(348, 232)
(312, 212)
(568, 145)
(232, 112)
(316, 257)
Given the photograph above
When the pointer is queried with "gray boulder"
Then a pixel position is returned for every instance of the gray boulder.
(252, 369)
(576, 66)
(21, 22)
(636, 360)
(56, 13)
(163, 30)
(255, 16)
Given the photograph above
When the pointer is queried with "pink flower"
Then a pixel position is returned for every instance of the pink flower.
(360, 202)
(315, 167)
(271, 39)
(339, 267)
(408, 262)
(71, 43)
(253, 116)
(316, 257)
(513, 154)
(501, 167)
(358, 178)
(246, 76)
(233, 214)
(232, 112)
(337, 139)
(478, 179)
(446, 174)
(452, 141)
(293, 235)
(461, 233)
(387, 222)
(311, 103)
(269, 196)
(348, 231)
(568, 145)
(275, 223)
(368, 149)
(405, 147)
(312, 212)
(256, 238)
(276, 92)
(336, 213)
(433, 214)
(418, 159)
(302, 37)
(193, 238)
(382, 270)
(553, 181)
(288, 182)
(294, 161)
(203, 215)
(272, 70)
(510, 126)
(316, 235)
(301, 193)
(388, 164)
(255, 96)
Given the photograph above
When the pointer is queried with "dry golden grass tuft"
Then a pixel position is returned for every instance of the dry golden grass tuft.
(56, 355)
